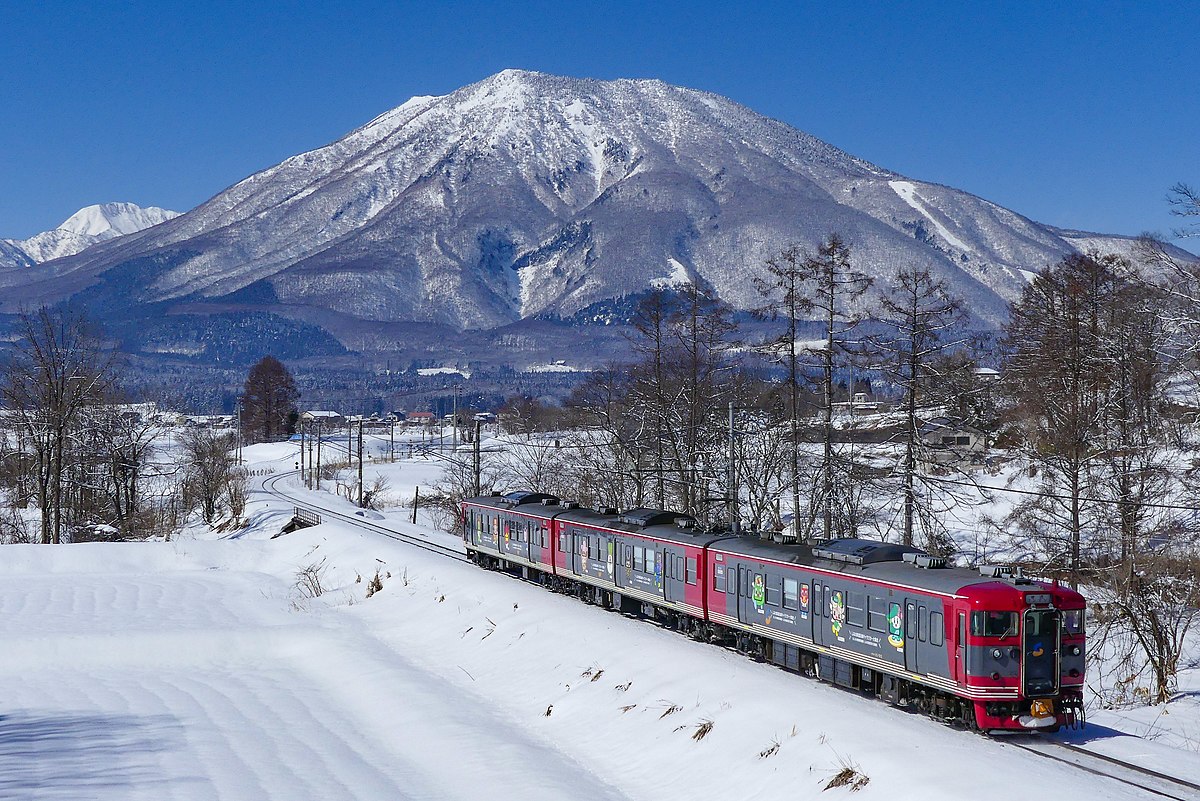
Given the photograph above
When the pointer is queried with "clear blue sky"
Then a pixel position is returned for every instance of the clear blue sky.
(1076, 114)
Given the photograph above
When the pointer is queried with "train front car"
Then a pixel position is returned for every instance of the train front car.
(1024, 653)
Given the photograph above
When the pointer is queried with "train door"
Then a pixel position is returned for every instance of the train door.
(816, 616)
(576, 541)
(911, 644)
(670, 593)
(624, 563)
(1040, 635)
(743, 593)
(533, 540)
(960, 649)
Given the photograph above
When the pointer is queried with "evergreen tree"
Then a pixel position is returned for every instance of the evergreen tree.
(268, 402)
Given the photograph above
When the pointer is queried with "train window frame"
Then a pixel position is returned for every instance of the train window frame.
(791, 600)
(988, 623)
(937, 629)
(774, 587)
(877, 614)
(856, 608)
(692, 570)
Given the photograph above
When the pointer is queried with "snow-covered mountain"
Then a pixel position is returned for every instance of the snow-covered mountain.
(89, 225)
(529, 195)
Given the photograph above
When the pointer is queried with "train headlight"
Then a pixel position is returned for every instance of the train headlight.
(997, 653)
(1076, 650)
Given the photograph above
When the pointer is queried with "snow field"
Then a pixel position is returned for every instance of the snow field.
(195, 669)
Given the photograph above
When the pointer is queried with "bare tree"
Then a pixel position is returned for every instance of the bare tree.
(59, 367)
(834, 286)
(210, 470)
(924, 317)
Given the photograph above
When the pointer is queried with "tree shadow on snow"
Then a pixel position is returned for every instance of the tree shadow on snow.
(83, 756)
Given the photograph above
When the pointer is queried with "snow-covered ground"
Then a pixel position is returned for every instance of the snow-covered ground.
(197, 669)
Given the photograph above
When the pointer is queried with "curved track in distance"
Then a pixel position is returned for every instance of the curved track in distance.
(269, 486)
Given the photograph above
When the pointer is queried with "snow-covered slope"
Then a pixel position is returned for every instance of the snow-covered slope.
(529, 194)
(199, 669)
(89, 225)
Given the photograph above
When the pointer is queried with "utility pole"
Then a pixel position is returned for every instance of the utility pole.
(478, 424)
(303, 475)
(731, 487)
(318, 475)
(454, 442)
(360, 463)
(392, 441)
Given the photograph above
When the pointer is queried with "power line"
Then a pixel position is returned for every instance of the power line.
(1056, 496)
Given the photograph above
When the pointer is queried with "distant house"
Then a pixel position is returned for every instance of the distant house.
(987, 375)
(325, 419)
(419, 419)
(950, 441)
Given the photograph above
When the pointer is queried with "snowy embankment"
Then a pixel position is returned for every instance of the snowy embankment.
(197, 670)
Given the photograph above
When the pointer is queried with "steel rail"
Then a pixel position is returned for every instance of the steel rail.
(269, 487)
(1167, 784)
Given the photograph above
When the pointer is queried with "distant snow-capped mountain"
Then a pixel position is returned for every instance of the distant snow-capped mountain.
(530, 196)
(89, 225)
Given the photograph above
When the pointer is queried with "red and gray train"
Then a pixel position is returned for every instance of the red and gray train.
(987, 648)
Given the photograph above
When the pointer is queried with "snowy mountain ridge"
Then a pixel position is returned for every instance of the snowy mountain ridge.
(91, 224)
(532, 196)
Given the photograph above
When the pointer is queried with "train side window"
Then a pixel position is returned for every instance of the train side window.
(562, 543)
(877, 614)
(922, 623)
(629, 557)
(937, 629)
(910, 621)
(774, 596)
(791, 594)
(545, 536)
(691, 571)
(1072, 621)
(650, 560)
(719, 578)
(856, 608)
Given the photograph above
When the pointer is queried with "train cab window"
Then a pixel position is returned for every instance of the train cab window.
(791, 593)
(856, 608)
(691, 571)
(877, 614)
(1072, 621)
(937, 629)
(994, 624)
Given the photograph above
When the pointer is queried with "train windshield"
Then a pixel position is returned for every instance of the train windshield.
(1072, 621)
(994, 624)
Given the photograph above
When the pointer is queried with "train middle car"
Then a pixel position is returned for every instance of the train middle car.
(994, 651)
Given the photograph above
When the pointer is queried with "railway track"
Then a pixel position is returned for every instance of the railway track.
(1159, 785)
(269, 486)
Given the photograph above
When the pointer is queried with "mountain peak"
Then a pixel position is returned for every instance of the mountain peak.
(89, 225)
